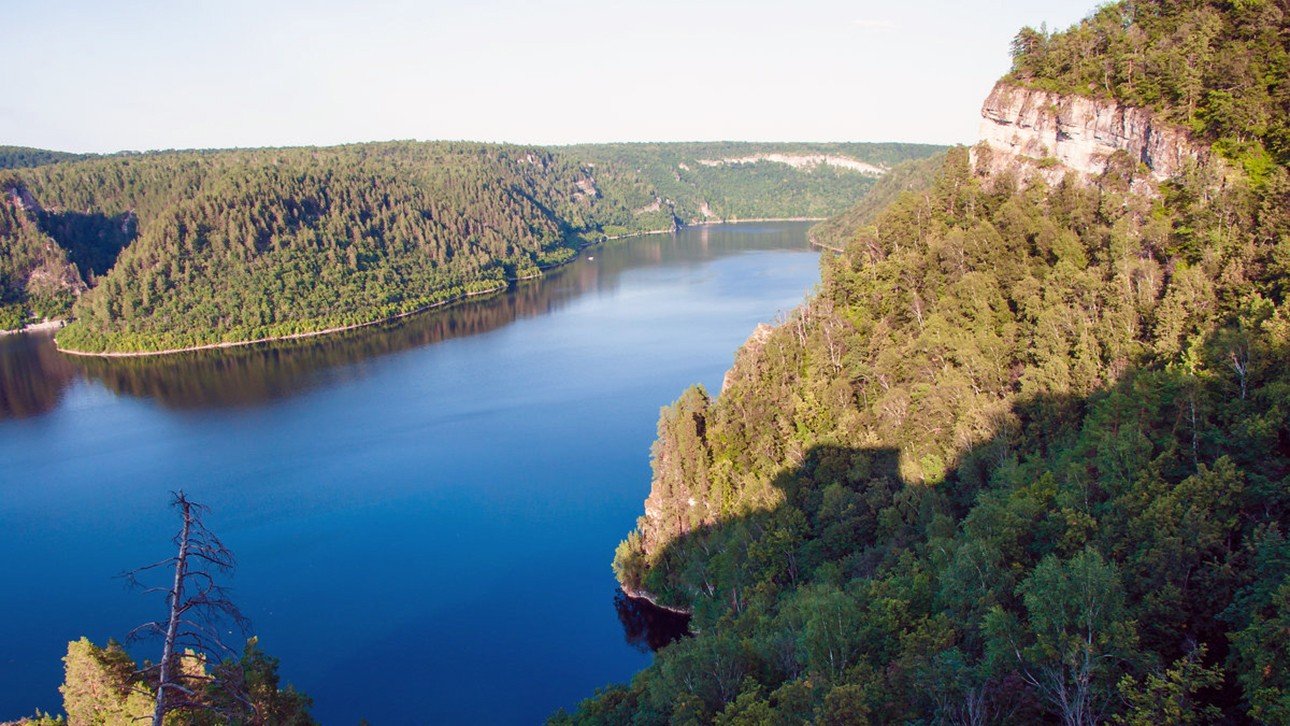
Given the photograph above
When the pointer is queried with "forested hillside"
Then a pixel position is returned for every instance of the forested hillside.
(715, 181)
(35, 275)
(243, 245)
(17, 157)
(1025, 456)
(1217, 69)
(915, 175)
(206, 247)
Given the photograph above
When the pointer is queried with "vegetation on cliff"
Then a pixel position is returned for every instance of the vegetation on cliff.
(915, 176)
(698, 182)
(1217, 68)
(1025, 457)
(196, 248)
(36, 277)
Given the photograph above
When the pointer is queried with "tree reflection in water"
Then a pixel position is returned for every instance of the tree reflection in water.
(647, 626)
(33, 375)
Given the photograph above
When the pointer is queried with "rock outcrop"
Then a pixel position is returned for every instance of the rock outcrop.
(1052, 134)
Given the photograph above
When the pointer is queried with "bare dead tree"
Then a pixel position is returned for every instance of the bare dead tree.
(199, 610)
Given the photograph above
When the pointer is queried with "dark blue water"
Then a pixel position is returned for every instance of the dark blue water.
(423, 515)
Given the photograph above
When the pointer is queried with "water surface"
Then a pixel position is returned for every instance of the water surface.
(423, 513)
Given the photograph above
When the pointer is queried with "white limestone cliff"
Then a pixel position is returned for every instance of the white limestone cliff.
(1051, 134)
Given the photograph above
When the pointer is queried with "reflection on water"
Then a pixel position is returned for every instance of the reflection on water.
(647, 626)
(33, 375)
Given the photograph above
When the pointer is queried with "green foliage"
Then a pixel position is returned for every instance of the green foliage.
(103, 686)
(36, 275)
(240, 245)
(1170, 697)
(914, 176)
(696, 182)
(1021, 458)
(1217, 68)
(207, 247)
(100, 686)
(18, 157)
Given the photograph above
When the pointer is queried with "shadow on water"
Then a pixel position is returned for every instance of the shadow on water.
(847, 513)
(648, 627)
(33, 375)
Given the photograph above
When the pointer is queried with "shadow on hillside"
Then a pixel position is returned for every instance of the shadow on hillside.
(253, 375)
(859, 512)
(848, 513)
(93, 240)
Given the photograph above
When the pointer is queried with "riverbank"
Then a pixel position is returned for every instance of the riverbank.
(647, 597)
(753, 220)
(713, 222)
(277, 338)
(418, 311)
(36, 327)
(823, 246)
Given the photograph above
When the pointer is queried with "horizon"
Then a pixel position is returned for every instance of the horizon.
(176, 150)
(145, 76)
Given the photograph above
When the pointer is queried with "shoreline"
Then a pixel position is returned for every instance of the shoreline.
(40, 327)
(830, 248)
(645, 596)
(752, 220)
(55, 324)
(276, 338)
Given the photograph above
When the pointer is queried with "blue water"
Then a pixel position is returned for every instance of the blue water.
(423, 515)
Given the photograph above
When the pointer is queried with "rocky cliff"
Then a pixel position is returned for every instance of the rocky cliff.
(1052, 134)
(35, 272)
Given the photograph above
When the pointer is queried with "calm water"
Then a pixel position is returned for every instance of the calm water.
(423, 514)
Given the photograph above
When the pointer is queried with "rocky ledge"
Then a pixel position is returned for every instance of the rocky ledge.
(1053, 133)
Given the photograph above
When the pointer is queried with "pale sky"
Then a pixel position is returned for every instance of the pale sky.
(104, 76)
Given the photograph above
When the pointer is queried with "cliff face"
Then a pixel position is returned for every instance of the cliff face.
(36, 266)
(1053, 133)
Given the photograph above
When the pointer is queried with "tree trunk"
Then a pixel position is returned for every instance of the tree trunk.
(172, 626)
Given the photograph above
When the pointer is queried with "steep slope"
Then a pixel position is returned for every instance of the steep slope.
(914, 177)
(1025, 456)
(36, 277)
(245, 245)
(721, 181)
(1055, 134)
(238, 245)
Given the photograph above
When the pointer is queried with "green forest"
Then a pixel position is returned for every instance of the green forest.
(167, 250)
(684, 184)
(1025, 455)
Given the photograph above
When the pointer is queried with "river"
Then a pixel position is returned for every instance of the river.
(423, 512)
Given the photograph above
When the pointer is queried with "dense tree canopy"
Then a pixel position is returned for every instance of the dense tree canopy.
(1025, 457)
(204, 247)
(699, 182)
(18, 157)
(1219, 68)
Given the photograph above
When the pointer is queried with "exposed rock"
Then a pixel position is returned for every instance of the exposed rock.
(751, 349)
(587, 188)
(654, 206)
(1052, 134)
(22, 199)
(802, 161)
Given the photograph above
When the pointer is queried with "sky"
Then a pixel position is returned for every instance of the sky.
(108, 76)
